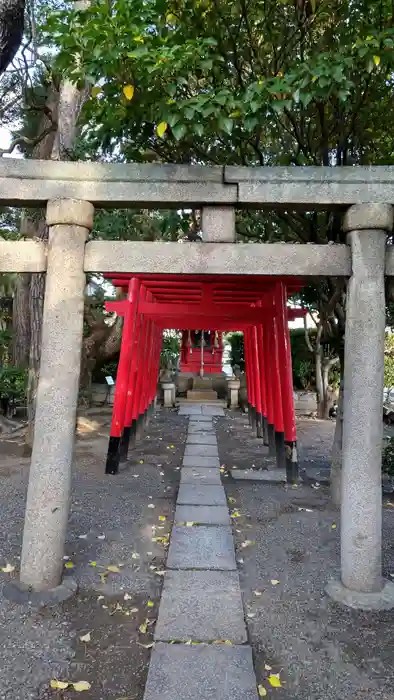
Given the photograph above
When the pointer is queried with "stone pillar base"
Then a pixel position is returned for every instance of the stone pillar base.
(169, 394)
(380, 600)
(233, 387)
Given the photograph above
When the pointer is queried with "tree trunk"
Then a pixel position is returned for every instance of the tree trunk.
(320, 388)
(21, 322)
(69, 105)
(336, 454)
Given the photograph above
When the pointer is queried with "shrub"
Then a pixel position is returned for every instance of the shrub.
(388, 458)
(13, 382)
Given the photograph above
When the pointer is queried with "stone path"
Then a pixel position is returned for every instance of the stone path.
(201, 650)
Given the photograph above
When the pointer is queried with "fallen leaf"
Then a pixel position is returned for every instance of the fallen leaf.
(101, 597)
(59, 685)
(333, 526)
(133, 610)
(7, 569)
(189, 524)
(274, 581)
(151, 505)
(162, 518)
(172, 447)
(188, 643)
(79, 686)
(113, 569)
(235, 514)
(231, 499)
(258, 593)
(146, 646)
(85, 637)
(103, 576)
(128, 92)
(262, 691)
(69, 565)
(143, 628)
(101, 537)
(150, 604)
(274, 680)
(135, 555)
(82, 537)
(247, 543)
(267, 667)
(92, 563)
(251, 615)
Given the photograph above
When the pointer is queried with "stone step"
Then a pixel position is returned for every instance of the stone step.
(202, 395)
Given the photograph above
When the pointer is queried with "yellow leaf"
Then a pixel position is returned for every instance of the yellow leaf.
(333, 526)
(128, 92)
(267, 667)
(7, 569)
(235, 514)
(86, 637)
(150, 604)
(143, 628)
(275, 581)
(274, 680)
(262, 691)
(189, 524)
(96, 91)
(172, 447)
(79, 686)
(188, 643)
(231, 499)
(135, 555)
(59, 685)
(161, 129)
(141, 461)
(92, 563)
(162, 518)
(103, 576)
(376, 60)
(114, 569)
(69, 565)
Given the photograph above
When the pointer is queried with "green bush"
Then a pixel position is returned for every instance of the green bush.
(388, 458)
(13, 382)
(237, 357)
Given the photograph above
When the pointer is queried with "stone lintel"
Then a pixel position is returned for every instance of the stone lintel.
(364, 217)
(22, 256)
(219, 258)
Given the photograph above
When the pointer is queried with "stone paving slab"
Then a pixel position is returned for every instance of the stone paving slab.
(201, 451)
(195, 475)
(202, 515)
(202, 606)
(201, 429)
(199, 495)
(274, 476)
(198, 461)
(196, 439)
(212, 411)
(201, 672)
(200, 419)
(189, 411)
(201, 548)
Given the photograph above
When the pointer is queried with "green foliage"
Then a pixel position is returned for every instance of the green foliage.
(13, 382)
(389, 360)
(170, 350)
(303, 365)
(109, 369)
(388, 457)
(236, 341)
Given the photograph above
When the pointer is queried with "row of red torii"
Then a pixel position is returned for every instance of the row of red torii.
(258, 307)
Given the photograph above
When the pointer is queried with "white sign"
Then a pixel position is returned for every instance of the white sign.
(109, 381)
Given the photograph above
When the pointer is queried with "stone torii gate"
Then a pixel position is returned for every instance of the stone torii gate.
(70, 191)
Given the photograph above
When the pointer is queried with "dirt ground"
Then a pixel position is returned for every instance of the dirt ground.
(291, 537)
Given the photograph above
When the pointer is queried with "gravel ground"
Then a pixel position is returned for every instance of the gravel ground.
(287, 549)
(38, 646)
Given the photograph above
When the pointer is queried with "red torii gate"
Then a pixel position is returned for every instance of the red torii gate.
(255, 305)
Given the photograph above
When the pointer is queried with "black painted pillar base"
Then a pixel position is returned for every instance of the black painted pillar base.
(265, 431)
(253, 418)
(291, 462)
(259, 425)
(271, 440)
(280, 451)
(113, 455)
(124, 444)
(250, 413)
(140, 426)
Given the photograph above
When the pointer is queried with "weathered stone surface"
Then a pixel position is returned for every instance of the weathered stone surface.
(194, 475)
(201, 548)
(201, 428)
(275, 476)
(193, 439)
(361, 520)
(368, 216)
(218, 224)
(22, 256)
(379, 600)
(202, 606)
(196, 461)
(201, 495)
(273, 259)
(201, 451)
(180, 672)
(192, 410)
(48, 494)
(202, 515)
(212, 411)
